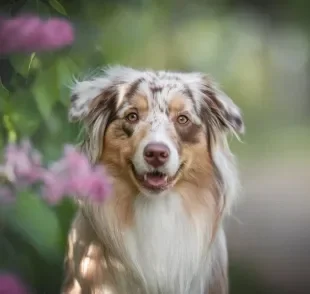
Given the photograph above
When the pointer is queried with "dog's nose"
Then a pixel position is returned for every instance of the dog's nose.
(156, 154)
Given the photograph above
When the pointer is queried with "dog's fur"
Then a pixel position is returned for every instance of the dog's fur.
(154, 242)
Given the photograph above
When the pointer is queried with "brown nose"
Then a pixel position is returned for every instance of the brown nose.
(156, 154)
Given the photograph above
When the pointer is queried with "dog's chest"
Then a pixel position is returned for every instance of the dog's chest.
(165, 248)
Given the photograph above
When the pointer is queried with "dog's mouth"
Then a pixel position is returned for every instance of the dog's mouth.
(155, 181)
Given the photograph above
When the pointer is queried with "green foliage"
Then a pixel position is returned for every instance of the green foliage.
(57, 6)
(22, 219)
(34, 96)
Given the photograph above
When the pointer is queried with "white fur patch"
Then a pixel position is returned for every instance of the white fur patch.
(167, 247)
(157, 134)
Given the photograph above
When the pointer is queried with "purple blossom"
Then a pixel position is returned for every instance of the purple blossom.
(23, 163)
(30, 33)
(91, 184)
(9, 284)
(53, 188)
(74, 175)
(70, 176)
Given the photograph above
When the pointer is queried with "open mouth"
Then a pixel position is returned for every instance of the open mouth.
(155, 180)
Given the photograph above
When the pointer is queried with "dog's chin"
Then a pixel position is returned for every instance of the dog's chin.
(154, 182)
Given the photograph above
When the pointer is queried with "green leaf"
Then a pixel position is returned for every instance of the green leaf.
(31, 218)
(23, 113)
(4, 95)
(66, 69)
(20, 63)
(33, 61)
(4, 92)
(46, 93)
(12, 135)
(58, 7)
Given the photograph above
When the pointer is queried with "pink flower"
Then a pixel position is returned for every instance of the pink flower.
(24, 162)
(10, 284)
(93, 184)
(74, 162)
(73, 175)
(54, 187)
(30, 33)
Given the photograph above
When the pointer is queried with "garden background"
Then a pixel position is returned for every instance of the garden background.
(258, 51)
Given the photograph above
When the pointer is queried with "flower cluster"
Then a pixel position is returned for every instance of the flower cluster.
(30, 33)
(23, 162)
(72, 175)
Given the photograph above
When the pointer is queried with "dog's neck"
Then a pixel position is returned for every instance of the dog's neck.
(168, 246)
(164, 246)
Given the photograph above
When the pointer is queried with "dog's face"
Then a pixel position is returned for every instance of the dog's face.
(152, 133)
(154, 129)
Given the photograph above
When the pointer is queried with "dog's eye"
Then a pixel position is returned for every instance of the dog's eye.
(182, 119)
(132, 117)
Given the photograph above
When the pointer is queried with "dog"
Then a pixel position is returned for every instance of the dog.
(162, 137)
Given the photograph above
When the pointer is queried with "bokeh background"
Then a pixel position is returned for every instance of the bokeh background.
(258, 50)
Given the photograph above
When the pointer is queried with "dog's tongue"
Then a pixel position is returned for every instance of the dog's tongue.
(156, 180)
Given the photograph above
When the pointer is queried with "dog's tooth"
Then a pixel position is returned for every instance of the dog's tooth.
(166, 178)
(145, 177)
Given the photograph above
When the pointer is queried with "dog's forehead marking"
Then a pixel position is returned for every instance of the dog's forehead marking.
(160, 88)
(160, 93)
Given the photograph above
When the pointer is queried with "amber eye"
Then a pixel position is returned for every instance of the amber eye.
(132, 117)
(182, 119)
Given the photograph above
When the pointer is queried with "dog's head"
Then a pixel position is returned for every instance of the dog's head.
(155, 129)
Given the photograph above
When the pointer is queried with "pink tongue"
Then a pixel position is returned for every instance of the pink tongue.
(156, 181)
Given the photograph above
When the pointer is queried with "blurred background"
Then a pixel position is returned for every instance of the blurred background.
(258, 50)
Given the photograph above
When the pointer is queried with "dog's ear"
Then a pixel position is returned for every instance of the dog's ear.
(224, 112)
(94, 102)
(91, 96)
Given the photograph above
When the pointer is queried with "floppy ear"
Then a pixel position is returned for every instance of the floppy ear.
(225, 113)
(94, 102)
(100, 94)
(89, 97)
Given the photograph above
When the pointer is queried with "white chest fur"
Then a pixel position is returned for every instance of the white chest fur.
(167, 247)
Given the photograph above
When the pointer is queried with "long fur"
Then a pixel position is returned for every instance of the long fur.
(168, 243)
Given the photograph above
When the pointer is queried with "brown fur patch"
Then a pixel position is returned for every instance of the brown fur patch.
(190, 132)
(196, 183)
(140, 102)
(116, 157)
(124, 129)
(176, 105)
(199, 179)
(127, 128)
